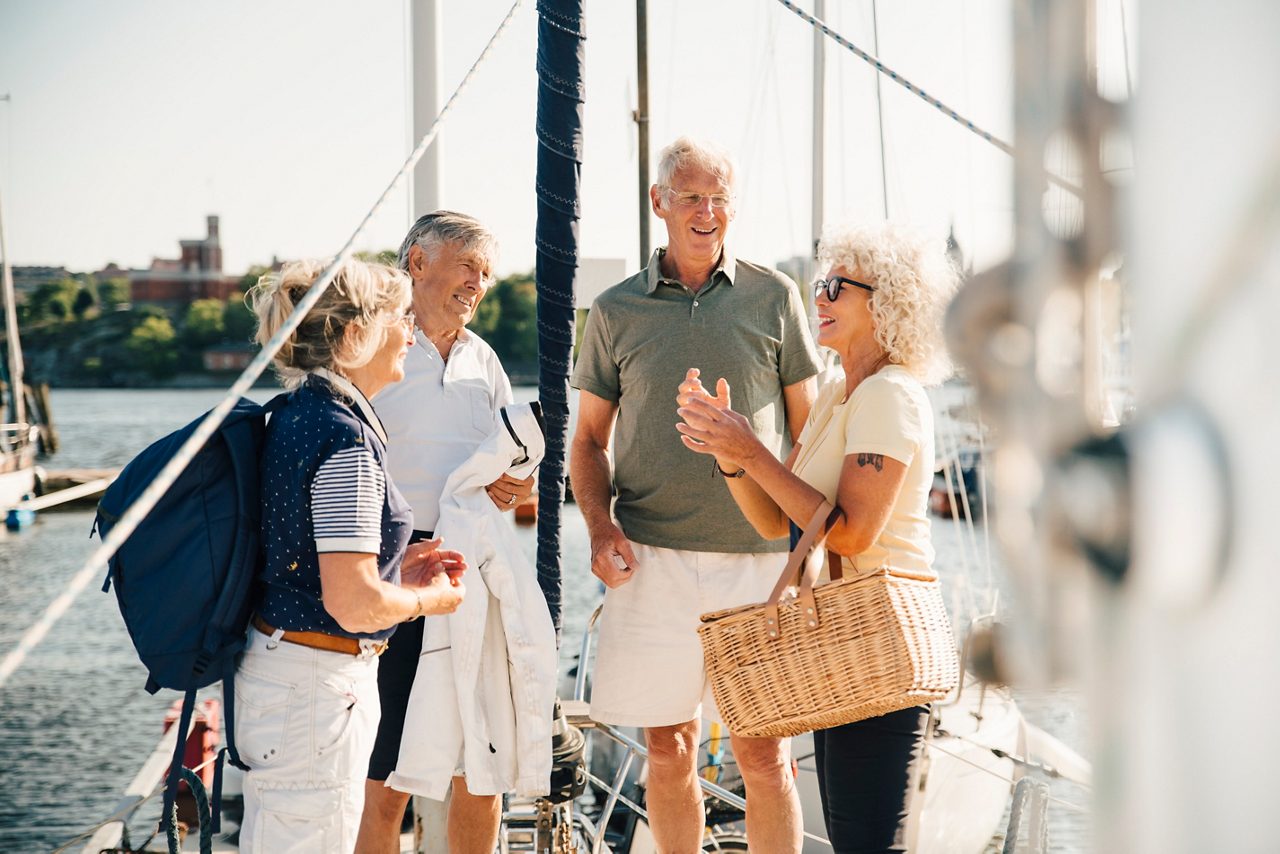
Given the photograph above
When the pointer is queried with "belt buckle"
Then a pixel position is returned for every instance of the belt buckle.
(371, 648)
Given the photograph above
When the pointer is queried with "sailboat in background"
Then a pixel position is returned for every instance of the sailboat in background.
(18, 436)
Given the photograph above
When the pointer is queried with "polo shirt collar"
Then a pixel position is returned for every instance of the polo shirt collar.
(463, 341)
(728, 265)
(362, 403)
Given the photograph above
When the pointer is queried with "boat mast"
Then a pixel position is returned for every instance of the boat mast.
(424, 195)
(561, 92)
(425, 75)
(642, 121)
(18, 411)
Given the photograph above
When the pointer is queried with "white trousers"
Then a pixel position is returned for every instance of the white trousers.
(305, 722)
(649, 669)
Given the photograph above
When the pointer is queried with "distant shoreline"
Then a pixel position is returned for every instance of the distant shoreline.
(205, 381)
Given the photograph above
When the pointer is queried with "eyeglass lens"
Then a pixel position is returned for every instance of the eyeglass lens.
(834, 285)
(693, 200)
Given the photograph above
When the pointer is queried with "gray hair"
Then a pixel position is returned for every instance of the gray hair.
(440, 227)
(688, 151)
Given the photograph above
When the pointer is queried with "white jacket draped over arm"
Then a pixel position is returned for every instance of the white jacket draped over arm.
(484, 692)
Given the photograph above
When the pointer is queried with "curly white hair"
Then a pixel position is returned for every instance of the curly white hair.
(914, 281)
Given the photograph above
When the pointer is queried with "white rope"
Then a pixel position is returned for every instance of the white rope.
(138, 511)
(920, 93)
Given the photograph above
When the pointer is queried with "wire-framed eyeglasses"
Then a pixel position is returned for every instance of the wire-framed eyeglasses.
(694, 200)
(832, 285)
(407, 320)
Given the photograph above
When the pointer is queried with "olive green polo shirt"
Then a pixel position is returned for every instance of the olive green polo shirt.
(746, 324)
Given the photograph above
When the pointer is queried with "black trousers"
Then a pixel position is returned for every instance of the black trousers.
(863, 771)
(396, 670)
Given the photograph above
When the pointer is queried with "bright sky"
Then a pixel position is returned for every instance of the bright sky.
(129, 121)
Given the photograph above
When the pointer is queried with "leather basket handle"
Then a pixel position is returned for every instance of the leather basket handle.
(814, 534)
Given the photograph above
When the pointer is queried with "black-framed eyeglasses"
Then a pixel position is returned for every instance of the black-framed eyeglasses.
(833, 284)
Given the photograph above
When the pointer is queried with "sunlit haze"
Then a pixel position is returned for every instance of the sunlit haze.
(129, 122)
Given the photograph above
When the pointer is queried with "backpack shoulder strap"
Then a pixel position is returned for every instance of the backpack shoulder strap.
(175, 766)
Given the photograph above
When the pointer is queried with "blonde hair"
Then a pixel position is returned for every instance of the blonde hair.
(686, 152)
(358, 294)
(914, 281)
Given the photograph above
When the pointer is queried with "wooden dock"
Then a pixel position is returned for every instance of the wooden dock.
(71, 489)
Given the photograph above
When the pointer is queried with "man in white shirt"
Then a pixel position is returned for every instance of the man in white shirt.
(435, 418)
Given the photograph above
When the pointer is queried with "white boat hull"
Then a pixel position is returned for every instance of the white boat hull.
(16, 485)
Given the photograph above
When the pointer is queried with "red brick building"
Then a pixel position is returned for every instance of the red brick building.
(176, 283)
(228, 357)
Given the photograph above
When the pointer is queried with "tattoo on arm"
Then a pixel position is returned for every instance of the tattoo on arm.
(876, 460)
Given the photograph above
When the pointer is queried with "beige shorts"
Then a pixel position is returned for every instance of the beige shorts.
(649, 668)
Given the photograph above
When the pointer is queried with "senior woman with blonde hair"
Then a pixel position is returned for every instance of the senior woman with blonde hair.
(867, 448)
(338, 574)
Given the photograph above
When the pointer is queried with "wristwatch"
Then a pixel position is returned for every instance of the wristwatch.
(739, 473)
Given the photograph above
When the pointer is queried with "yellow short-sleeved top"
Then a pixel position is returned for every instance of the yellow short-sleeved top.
(888, 413)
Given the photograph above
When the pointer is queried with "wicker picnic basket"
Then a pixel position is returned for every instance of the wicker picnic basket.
(840, 652)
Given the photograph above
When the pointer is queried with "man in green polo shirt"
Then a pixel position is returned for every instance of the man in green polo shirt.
(675, 545)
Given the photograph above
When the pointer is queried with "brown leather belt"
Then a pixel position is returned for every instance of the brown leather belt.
(319, 640)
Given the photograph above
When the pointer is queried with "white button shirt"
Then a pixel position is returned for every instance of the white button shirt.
(438, 415)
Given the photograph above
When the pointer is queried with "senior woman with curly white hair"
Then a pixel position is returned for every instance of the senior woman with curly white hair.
(868, 449)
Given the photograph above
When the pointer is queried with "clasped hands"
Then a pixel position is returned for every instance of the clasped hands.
(429, 567)
(710, 425)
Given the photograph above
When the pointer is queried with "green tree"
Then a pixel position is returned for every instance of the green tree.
(515, 335)
(52, 301)
(390, 257)
(113, 293)
(152, 345)
(250, 278)
(86, 300)
(485, 319)
(238, 321)
(203, 323)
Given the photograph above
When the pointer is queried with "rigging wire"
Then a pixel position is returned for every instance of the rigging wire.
(782, 146)
(986, 513)
(960, 515)
(923, 95)
(1002, 755)
(844, 134)
(751, 141)
(1124, 45)
(606, 786)
(884, 158)
(970, 190)
(152, 494)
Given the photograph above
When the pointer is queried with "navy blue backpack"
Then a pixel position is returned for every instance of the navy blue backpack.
(184, 579)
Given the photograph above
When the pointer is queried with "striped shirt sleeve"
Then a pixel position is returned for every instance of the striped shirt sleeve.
(347, 496)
